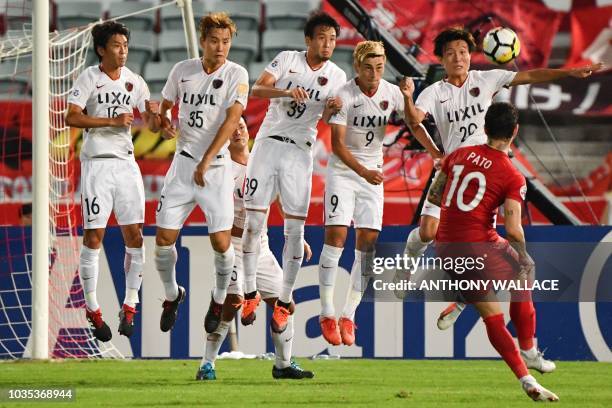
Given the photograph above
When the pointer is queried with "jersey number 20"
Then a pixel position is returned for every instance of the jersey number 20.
(475, 175)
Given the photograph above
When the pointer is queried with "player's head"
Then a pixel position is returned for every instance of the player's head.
(25, 214)
(501, 121)
(240, 137)
(453, 47)
(320, 34)
(216, 32)
(369, 61)
(111, 43)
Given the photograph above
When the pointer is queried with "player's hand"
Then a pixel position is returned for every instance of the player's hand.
(584, 72)
(152, 107)
(406, 86)
(372, 176)
(298, 94)
(168, 131)
(334, 104)
(307, 251)
(122, 120)
(438, 162)
(198, 174)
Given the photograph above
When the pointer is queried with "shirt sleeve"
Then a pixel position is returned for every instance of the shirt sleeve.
(145, 95)
(81, 90)
(277, 66)
(425, 101)
(341, 118)
(517, 188)
(498, 78)
(170, 90)
(239, 89)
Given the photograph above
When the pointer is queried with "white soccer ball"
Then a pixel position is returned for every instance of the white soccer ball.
(501, 45)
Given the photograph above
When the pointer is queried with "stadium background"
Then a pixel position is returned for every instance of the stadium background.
(553, 33)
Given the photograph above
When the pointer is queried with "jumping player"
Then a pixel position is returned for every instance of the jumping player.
(101, 102)
(211, 92)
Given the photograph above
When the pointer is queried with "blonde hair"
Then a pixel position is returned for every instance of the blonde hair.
(368, 49)
(216, 20)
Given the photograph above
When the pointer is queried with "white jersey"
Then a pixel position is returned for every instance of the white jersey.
(101, 97)
(459, 111)
(366, 119)
(287, 118)
(203, 100)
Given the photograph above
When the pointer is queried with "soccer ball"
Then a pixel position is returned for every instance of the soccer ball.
(501, 45)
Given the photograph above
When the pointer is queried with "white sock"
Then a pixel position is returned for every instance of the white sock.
(282, 345)
(214, 341)
(360, 275)
(250, 248)
(328, 269)
(133, 265)
(528, 379)
(88, 273)
(293, 253)
(224, 264)
(414, 246)
(531, 353)
(165, 260)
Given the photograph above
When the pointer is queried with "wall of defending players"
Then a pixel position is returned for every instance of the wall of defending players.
(566, 330)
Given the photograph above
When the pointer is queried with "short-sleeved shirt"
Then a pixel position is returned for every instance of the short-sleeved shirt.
(459, 111)
(102, 97)
(480, 179)
(203, 101)
(299, 121)
(365, 118)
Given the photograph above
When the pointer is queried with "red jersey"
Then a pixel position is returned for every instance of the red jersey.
(480, 178)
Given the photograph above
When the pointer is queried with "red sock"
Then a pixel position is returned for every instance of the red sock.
(524, 319)
(502, 340)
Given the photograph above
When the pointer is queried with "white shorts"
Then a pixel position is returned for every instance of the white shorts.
(349, 197)
(111, 185)
(269, 272)
(429, 208)
(277, 167)
(180, 194)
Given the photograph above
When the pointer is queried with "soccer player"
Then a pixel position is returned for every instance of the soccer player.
(458, 104)
(353, 189)
(211, 92)
(101, 102)
(300, 86)
(269, 278)
(472, 183)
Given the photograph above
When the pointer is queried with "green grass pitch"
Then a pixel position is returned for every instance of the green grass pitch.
(350, 382)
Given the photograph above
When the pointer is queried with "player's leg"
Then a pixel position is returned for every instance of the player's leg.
(97, 185)
(295, 184)
(361, 272)
(259, 190)
(502, 341)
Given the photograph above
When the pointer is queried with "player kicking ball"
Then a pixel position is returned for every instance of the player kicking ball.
(101, 102)
(300, 86)
(354, 186)
(211, 92)
(458, 104)
(472, 183)
(269, 279)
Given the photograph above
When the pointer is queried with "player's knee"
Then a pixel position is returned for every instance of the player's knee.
(134, 241)
(91, 239)
(163, 240)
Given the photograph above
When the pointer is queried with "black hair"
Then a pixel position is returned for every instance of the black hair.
(320, 18)
(103, 32)
(26, 209)
(501, 120)
(453, 34)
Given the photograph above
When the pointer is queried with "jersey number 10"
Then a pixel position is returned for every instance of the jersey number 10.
(475, 175)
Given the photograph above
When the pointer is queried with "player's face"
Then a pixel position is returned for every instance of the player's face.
(216, 45)
(241, 136)
(456, 58)
(371, 71)
(322, 43)
(116, 51)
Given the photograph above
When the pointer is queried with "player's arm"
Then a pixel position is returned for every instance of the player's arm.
(151, 116)
(535, 76)
(437, 189)
(168, 130)
(78, 119)
(229, 126)
(413, 117)
(516, 235)
(340, 150)
(332, 106)
(265, 88)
